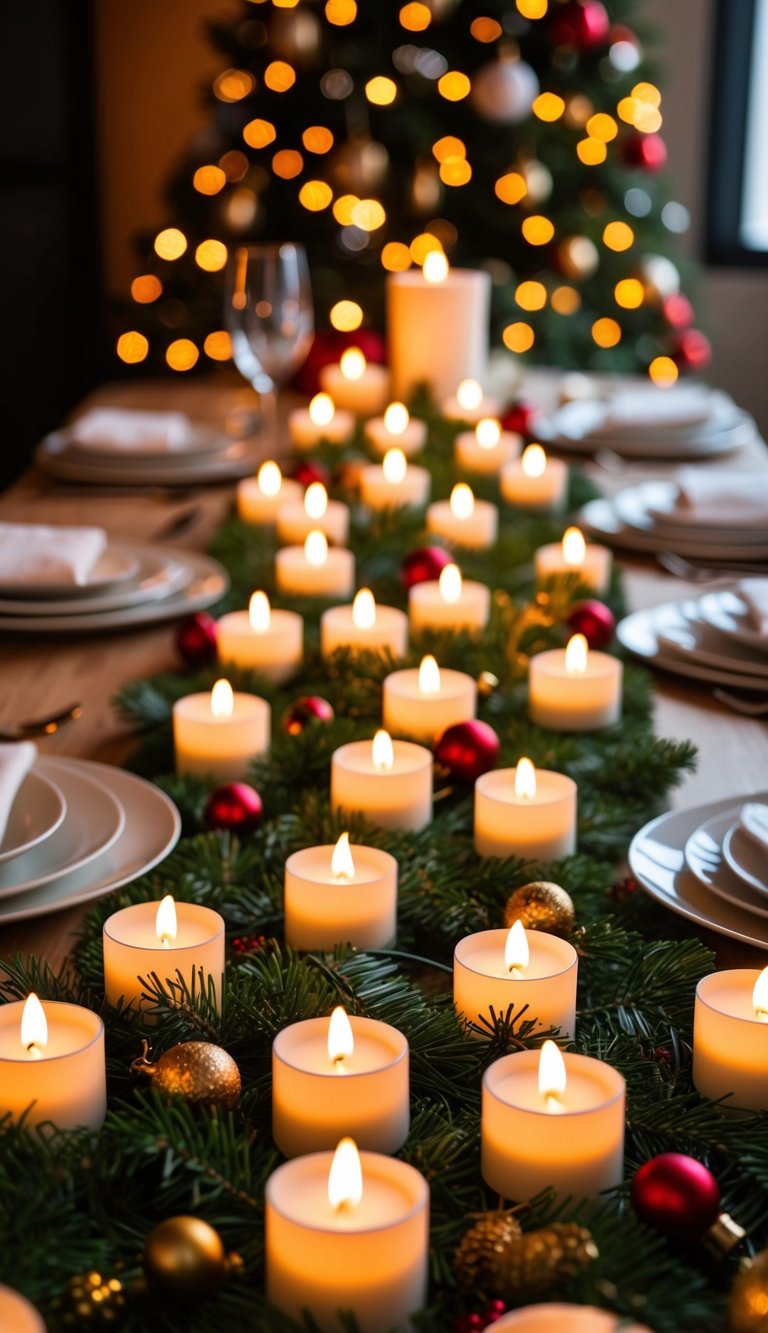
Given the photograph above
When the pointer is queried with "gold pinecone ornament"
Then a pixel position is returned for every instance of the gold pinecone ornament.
(748, 1302)
(541, 905)
(185, 1257)
(90, 1301)
(198, 1071)
(479, 1251)
(495, 1259)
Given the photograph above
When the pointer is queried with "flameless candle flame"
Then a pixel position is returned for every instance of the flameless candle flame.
(259, 612)
(322, 409)
(353, 364)
(364, 609)
(435, 267)
(342, 865)
(34, 1027)
(462, 501)
(222, 699)
(396, 419)
(534, 461)
(576, 655)
(429, 675)
(469, 395)
(574, 547)
(516, 952)
(316, 548)
(269, 479)
(341, 1041)
(525, 780)
(315, 500)
(394, 466)
(382, 752)
(165, 921)
(449, 584)
(488, 432)
(345, 1178)
(760, 997)
(552, 1077)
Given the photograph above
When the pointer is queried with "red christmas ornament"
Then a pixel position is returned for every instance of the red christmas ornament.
(519, 417)
(467, 749)
(299, 714)
(646, 152)
(693, 351)
(475, 1323)
(580, 23)
(677, 1195)
(305, 473)
(196, 639)
(423, 564)
(327, 349)
(677, 310)
(594, 620)
(235, 808)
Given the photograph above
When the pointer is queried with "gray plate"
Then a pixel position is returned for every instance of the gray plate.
(745, 858)
(37, 812)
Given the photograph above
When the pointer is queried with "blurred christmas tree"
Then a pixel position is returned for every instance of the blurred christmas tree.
(519, 135)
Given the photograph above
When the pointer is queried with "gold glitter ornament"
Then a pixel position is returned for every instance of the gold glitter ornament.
(496, 1261)
(477, 1256)
(541, 905)
(89, 1301)
(198, 1071)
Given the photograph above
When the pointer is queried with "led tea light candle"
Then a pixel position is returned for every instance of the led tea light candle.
(551, 1318)
(364, 627)
(52, 1064)
(463, 520)
(334, 895)
(469, 403)
(164, 938)
(396, 429)
(535, 481)
(260, 498)
(268, 641)
(308, 426)
(17, 1315)
(316, 511)
(500, 968)
(486, 448)
(423, 702)
(347, 1232)
(592, 564)
(394, 484)
(552, 1119)
(730, 1038)
(525, 812)
(437, 324)
(218, 734)
(389, 782)
(573, 689)
(312, 570)
(355, 384)
(346, 1073)
(449, 602)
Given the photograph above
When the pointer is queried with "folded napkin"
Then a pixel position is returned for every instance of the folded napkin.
(722, 499)
(642, 409)
(753, 818)
(120, 429)
(16, 760)
(755, 593)
(34, 553)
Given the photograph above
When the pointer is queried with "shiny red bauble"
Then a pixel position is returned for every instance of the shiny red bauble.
(303, 712)
(520, 418)
(467, 750)
(594, 620)
(646, 152)
(423, 564)
(580, 23)
(693, 350)
(677, 1195)
(196, 639)
(235, 808)
(305, 473)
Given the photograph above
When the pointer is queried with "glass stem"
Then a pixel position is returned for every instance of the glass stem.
(268, 404)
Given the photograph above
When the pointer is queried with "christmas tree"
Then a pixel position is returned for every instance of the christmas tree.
(522, 137)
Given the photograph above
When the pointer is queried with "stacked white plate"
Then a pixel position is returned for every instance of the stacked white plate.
(207, 456)
(647, 517)
(705, 865)
(76, 831)
(689, 422)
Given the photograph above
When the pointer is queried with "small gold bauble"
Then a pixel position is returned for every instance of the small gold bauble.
(184, 1256)
(542, 1260)
(198, 1071)
(477, 1255)
(541, 905)
(748, 1302)
(90, 1301)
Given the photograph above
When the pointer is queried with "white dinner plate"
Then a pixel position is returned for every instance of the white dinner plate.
(239, 459)
(201, 440)
(639, 633)
(728, 612)
(745, 858)
(657, 862)
(698, 640)
(95, 820)
(661, 499)
(704, 856)
(116, 565)
(151, 831)
(37, 812)
(636, 504)
(650, 443)
(600, 519)
(158, 575)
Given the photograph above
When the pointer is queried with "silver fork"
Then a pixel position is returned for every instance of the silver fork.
(749, 707)
(43, 726)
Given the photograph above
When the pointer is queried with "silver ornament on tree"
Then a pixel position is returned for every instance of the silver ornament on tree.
(660, 277)
(503, 90)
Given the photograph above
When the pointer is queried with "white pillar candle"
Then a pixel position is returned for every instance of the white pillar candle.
(260, 498)
(355, 384)
(166, 938)
(463, 520)
(422, 701)
(52, 1064)
(316, 511)
(397, 429)
(573, 689)
(469, 403)
(573, 557)
(437, 326)
(364, 1247)
(17, 1315)
(394, 484)
(339, 1075)
(340, 895)
(308, 426)
(314, 570)
(552, 1318)
(263, 639)
(487, 448)
(389, 782)
(535, 481)
(550, 1119)
(449, 602)
(525, 812)
(364, 627)
(517, 967)
(730, 1038)
(218, 734)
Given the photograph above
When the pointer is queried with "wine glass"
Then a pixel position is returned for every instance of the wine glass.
(269, 315)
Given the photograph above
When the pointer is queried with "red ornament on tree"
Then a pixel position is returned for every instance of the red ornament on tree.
(677, 1195)
(467, 749)
(235, 808)
(327, 349)
(519, 417)
(299, 715)
(580, 23)
(475, 1323)
(647, 152)
(693, 351)
(305, 473)
(594, 620)
(196, 639)
(423, 564)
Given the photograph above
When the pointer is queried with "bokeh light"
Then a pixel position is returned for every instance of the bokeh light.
(287, 163)
(182, 354)
(538, 230)
(317, 139)
(344, 208)
(518, 337)
(548, 106)
(170, 243)
(415, 17)
(606, 332)
(453, 86)
(565, 300)
(346, 316)
(380, 90)
(218, 345)
(455, 171)
(132, 347)
(485, 29)
(396, 257)
(146, 288)
(663, 371)
(629, 293)
(511, 188)
(315, 195)
(423, 245)
(368, 214)
(211, 255)
(618, 236)
(449, 146)
(279, 76)
(532, 9)
(233, 85)
(591, 152)
(258, 133)
(209, 180)
(602, 127)
(531, 295)
(341, 12)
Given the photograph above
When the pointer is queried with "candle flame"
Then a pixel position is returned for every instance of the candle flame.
(342, 865)
(534, 461)
(222, 699)
(353, 364)
(396, 419)
(322, 409)
(462, 500)
(429, 675)
(760, 997)
(34, 1027)
(341, 1041)
(469, 395)
(552, 1076)
(364, 609)
(269, 479)
(488, 432)
(259, 612)
(383, 752)
(165, 921)
(449, 584)
(394, 466)
(316, 548)
(516, 952)
(345, 1178)
(315, 500)
(525, 780)
(576, 655)
(574, 547)
(435, 267)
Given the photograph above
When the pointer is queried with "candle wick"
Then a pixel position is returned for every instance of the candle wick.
(553, 1102)
(165, 942)
(338, 1064)
(515, 970)
(34, 1052)
(761, 1015)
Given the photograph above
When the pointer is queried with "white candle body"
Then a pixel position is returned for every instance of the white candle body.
(536, 828)
(437, 332)
(428, 609)
(220, 746)
(547, 985)
(306, 435)
(397, 797)
(388, 634)
(322, 910)
(565, 1319)
(411, 440)
(472, 457)
(253, 506)
(132, 950)
(454, 411)
(545, 492)
(525, 1147)
(364, 396)
(314, 1104)
(274, 652)
(378, 493)
(408, 711)
(595, 569)
(67, 1084)
(17, 1315)
(730, 1043)
(370, 1258)
(297, 578)
(570, 701)
(477, 531)
(294, 523)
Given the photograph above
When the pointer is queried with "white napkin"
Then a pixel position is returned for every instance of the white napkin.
(753, 818)
(16, 759)
(722, 499)
(120, 429)
(755, 594)
(642, 409)
(34, 553)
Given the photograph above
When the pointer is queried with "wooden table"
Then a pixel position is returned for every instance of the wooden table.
(40, 675)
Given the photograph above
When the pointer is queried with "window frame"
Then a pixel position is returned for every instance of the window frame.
(730, 84)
